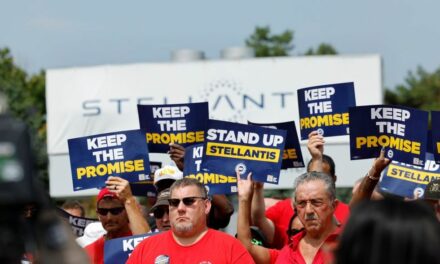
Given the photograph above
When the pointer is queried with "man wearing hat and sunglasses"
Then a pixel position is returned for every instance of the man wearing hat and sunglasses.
(119, 213)
(160, 211)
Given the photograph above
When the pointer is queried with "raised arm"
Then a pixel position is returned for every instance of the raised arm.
(138, 224)
(245, 193)
(315, 145)
(258, 209)
(222, 210)
(177, 154)
(370, 180)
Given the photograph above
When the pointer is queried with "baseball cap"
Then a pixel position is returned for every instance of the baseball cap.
(105, 193)
(162, 199)
(167, 173)
(92, 232)
(432, 190)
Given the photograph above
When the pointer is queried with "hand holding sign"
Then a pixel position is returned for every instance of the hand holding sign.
(245, 187)
(120, 187)
(379, 165)
(315, 145)
(177, 154)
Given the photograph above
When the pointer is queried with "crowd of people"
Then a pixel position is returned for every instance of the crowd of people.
(312, 226)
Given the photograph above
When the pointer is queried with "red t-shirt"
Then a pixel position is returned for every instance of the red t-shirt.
(214, 247)
(282, 212)
(96, 250)
(291, 253)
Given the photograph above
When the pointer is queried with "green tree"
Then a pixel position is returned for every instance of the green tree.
(266, 44)
(26, 98)
(421, 90)
(323, 49)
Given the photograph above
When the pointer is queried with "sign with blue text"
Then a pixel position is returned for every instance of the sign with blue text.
(216, 183)
(146, 188)
(435, 121)
(400, 130)
(325, 108)
(231, 147)
(77, 223)
(118, 250)
(292, 156)
(183, 124)
(408, 180)
(94, 158)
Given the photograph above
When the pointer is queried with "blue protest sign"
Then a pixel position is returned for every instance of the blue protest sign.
(400, 130)
(325, 108)
(78, 224)
(407, 180)
(435, 121)
(146, 188)
(94, 158)
(183, 124)
(216, 183)
(231, 147)
(118, 250)
(292, 156)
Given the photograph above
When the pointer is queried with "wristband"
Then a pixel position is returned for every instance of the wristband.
(372, 177)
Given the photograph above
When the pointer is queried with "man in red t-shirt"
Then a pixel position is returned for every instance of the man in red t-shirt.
(274, 223)
(189, 240)
(119, 214)
(315, 204)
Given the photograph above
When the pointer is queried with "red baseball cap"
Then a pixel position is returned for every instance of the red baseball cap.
(105, 193)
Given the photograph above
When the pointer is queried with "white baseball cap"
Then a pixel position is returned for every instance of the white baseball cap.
(167, 173)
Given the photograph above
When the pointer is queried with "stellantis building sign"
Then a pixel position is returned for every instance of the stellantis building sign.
(95, 100)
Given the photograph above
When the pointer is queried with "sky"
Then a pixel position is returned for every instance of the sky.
(43, 34)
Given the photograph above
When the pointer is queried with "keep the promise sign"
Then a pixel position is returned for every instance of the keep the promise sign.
(401, 131)
(325, 108)
(292, 156)
(216, 183)
(183, 124)
(94, 158)
(407, 180)
(231, 147)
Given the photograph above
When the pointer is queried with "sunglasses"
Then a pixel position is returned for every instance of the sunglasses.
(160, 212)
(187, 201)
(113, 211)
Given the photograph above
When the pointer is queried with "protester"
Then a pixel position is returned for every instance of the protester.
(74, 208)
(315, 204)
(222, 209)
(119, 214)
(259, 253)
(274, 222)
(390, 231)
(189, 240)
(160, 211)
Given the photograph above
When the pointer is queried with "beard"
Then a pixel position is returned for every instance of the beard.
(183, 227)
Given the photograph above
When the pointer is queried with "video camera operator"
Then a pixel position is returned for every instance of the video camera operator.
(30, 229)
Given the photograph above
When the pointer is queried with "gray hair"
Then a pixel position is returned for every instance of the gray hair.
(316, 176)
(186, 181)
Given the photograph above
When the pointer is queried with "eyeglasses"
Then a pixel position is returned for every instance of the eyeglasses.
(313, 203)
(160, 212)
(188, 201)
(113, 211)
